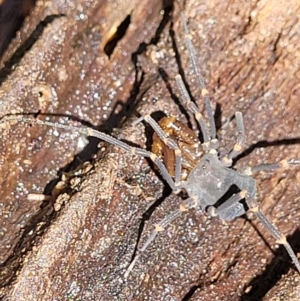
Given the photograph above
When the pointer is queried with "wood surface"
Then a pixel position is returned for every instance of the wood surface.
(77, 244)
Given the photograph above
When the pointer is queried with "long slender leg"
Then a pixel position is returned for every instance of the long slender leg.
(199, 77)
(192, 107)
(240, 140)
(280, 238)
(231, 208)
(94, 133)
(168, 141)
(184, 206)
(272, 166)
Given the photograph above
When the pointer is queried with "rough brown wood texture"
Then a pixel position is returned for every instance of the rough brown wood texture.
(249, 52)
(12, 14)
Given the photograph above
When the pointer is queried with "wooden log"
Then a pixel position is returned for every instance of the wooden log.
(79, 244)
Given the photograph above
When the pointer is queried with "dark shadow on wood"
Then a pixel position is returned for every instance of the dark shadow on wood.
(21, 51)
(279, 266)
(12, 15)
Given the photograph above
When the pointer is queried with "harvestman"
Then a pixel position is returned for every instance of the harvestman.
(211, 178)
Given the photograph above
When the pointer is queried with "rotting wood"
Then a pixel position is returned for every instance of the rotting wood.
(250, 65)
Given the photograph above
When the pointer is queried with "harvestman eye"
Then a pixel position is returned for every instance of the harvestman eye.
(205, 164)
(190, 160)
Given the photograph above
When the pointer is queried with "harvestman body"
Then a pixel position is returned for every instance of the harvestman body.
(211, 178)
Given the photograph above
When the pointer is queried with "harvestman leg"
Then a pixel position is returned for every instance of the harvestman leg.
(199, 77)
(240, 140)
(169, 142)
(184, 206)
(224, 212)
(186, 102)
(230, 209)
(210, 140)
(274, 166)
(253, 206)
(252, 203)
(280, 238)
(94, 133)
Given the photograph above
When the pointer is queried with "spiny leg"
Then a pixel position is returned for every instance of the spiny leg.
(280, 238)
(94, 133)
(184, 206)
(240, 140)
(168, 141)
(199, 77)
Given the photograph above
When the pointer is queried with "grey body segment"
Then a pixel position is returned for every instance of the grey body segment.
(210, 180)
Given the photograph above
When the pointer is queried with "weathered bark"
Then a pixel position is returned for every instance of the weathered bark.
(250, 56)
